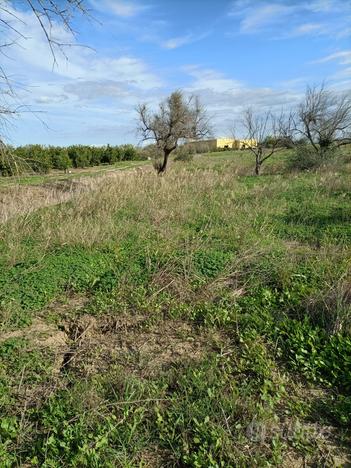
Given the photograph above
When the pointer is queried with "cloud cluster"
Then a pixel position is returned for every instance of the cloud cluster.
(226, 98)
(179, 41)
(121, 8)
(343, 59)
(91, 97)
(82, 90)
(288, 19)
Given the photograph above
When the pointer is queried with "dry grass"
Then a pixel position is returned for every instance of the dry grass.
(90, 217)
(163, 321)
(20, 200)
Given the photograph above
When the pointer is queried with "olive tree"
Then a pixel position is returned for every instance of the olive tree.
(177, 118)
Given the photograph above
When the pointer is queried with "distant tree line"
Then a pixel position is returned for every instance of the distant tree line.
(42, 159)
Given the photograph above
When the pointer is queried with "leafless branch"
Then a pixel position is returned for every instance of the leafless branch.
(13, 28)
(324, 118)
(265, 133)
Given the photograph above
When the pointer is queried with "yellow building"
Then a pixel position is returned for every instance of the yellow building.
(223, 143)
(242, 144)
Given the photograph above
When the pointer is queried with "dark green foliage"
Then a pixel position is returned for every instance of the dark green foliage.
(128, 153)
(305, 157)
(42, 159)
(209, 263)
(32, 285)
(316, 355)
(60, 158)
(79, 155)
(34, 157)
(340, 410)
(8, 166)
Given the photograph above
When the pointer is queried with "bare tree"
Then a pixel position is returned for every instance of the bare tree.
(265, 133)
(324, 119)
(48, 13)
(177, 118)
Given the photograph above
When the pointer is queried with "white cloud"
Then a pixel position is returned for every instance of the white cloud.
(86, 91)
(176, 42)
(289, 19)
(179, 41)
(343, 57)
(119, 7)
(226, 98)
(33, 55)
(308, 28)
(265, 15)
(211, 79)
(51, 99)
(325, 6)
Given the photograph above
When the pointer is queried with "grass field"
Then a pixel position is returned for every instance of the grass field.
(197, 319)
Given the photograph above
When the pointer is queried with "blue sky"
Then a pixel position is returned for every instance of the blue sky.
(232, 53)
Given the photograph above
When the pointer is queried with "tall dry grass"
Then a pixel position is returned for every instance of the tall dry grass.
(184, 210)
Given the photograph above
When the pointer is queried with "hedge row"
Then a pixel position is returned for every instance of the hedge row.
(42, 159)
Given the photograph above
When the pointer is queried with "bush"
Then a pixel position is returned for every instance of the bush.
(128, 153)
(82, 159)
(305, 158)
(184, 153)
(108, 155)
(39, 161)
(8, 166)
(60, 158)
(150, 152)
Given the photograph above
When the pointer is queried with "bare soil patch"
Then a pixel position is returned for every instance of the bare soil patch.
(134, 343)
(40, 335)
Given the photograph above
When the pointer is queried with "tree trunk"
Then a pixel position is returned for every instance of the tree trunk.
(162, 168)
(257, 167)
(259, 160)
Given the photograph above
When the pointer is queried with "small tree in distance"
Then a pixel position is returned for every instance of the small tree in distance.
(176, 119)
(324, 119)
(267, 132)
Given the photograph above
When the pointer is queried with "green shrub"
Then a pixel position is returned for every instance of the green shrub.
(32, 285)
(128, 153)
(60, 159)
(41, 159)
(315, 354)
(341, 410)
(184, 153)
(9, 166)
(305, 158)
(209, 263)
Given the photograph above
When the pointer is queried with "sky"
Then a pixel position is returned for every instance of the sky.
(233, 54)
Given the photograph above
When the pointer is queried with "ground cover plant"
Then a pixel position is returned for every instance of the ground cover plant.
(201, 319)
